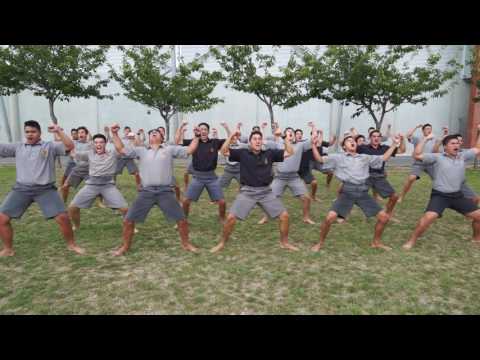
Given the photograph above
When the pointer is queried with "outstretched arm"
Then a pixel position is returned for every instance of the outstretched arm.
(179, 134)
(410, 132)
(225, 149)
(395, 145)
(67, 142)
(418, 153)
(117, 142)
(193, 145)
(436, 147)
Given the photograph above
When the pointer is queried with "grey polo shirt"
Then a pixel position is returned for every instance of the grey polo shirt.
(80, 147)
(156, 166)
(354, 169)
(428, 148)
(35, 163)
(99, 164)
(448, 172)
(131, 144)
(292, 163)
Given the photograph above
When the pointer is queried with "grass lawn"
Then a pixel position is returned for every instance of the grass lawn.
(252, 275)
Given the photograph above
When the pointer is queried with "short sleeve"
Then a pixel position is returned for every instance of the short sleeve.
(375, 161)
(429, 158)
(58, 149)
(178, 152)
(469, 154)
(8, 150)
(277, 155)
(235, 154)
(307, 145)
(331, 161)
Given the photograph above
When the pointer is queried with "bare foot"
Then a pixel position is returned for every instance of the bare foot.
(135, 231)
(288, 246)
(74, 228)
(309, 221)
(212, 202)
(263, 221)
(400, 199)
(101, 205)
(315, 199)
(394, 220)
(7, 252)
(120, 251)
(217, 248)
(176, 226)
(408, 245)
(189, 247)
(317, 247)
(340, 221)
(381, 246)
(76, 249)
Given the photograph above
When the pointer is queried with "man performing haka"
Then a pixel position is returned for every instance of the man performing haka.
(418, 167)
(448, 170)
(35, 182)
(255, 178)
(126, 161)
(71, 162)
(204, 162)
(156, 171)
(352, 169)
(102, 166)
(286, 174)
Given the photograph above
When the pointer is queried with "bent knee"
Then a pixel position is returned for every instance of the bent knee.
(4, 219)
(331, 216)
(284, 216)
(383, 217)
(62, 218)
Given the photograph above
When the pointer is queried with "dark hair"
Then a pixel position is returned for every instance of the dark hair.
(371, 128)
(161, 127)
(356, 138)
(73, 130)
(255, 133)
(424, 126)
(32, 123)
(99, 136)
(458, 135)
(288, 128)
(256, 127)
(374, 131)
(350, 137)
(83, 128)
(447, 139)
(299, 130)
(205, 124)
(127, 127)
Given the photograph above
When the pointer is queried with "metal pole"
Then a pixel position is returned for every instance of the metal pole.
(5, 119)
(175, 61)
(14, 118)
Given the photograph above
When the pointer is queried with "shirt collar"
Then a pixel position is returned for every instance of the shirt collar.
(41, 142)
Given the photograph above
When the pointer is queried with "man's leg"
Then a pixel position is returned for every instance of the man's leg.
(284, 226)
(128, 230)
(314, 190)
(138, 181)
(6, 233)
(392, 201)
(66, 228)
(227, 231)
(183, 231)
(306, 210)
(329, 179)
(186, 178)
(406, 188)
(186, 206)
(278, 188)
(475, 216)
(74, 213)
(324, 229)
(382, 221)
(64, 190)
(424, 223)
(221, 209)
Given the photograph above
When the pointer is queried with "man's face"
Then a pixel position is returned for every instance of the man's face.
(375, 138)
(155, 137)
(161, 130)
(74, 135)
(204, 132)
(82, 135)
(452, 147)
(256, 142)
(460, 140)
(127, 131)
(350, 145)
(289, 135)
(427, 130)
(100, 145)
(32, 134)
(298, 136)
(360, 141)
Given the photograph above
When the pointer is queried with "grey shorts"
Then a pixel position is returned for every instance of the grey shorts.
(227, 178)
(418, 169)
(322, 168)
(69, 168)
(467, 191)
(360, 197)
(196, 186)
(77, 176)
(296, 185)
(307, 176)
(248, 197)
(456, 201)
(112, 197)
(18, 201)
(163, 196)
(129, 163)
(190, 168)
(381, 186)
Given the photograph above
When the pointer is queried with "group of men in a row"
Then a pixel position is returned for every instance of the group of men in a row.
(250, 160)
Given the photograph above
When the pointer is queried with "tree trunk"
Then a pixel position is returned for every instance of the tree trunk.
(272, 120)
(5, 116)
(52, 113)
(166, 119)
